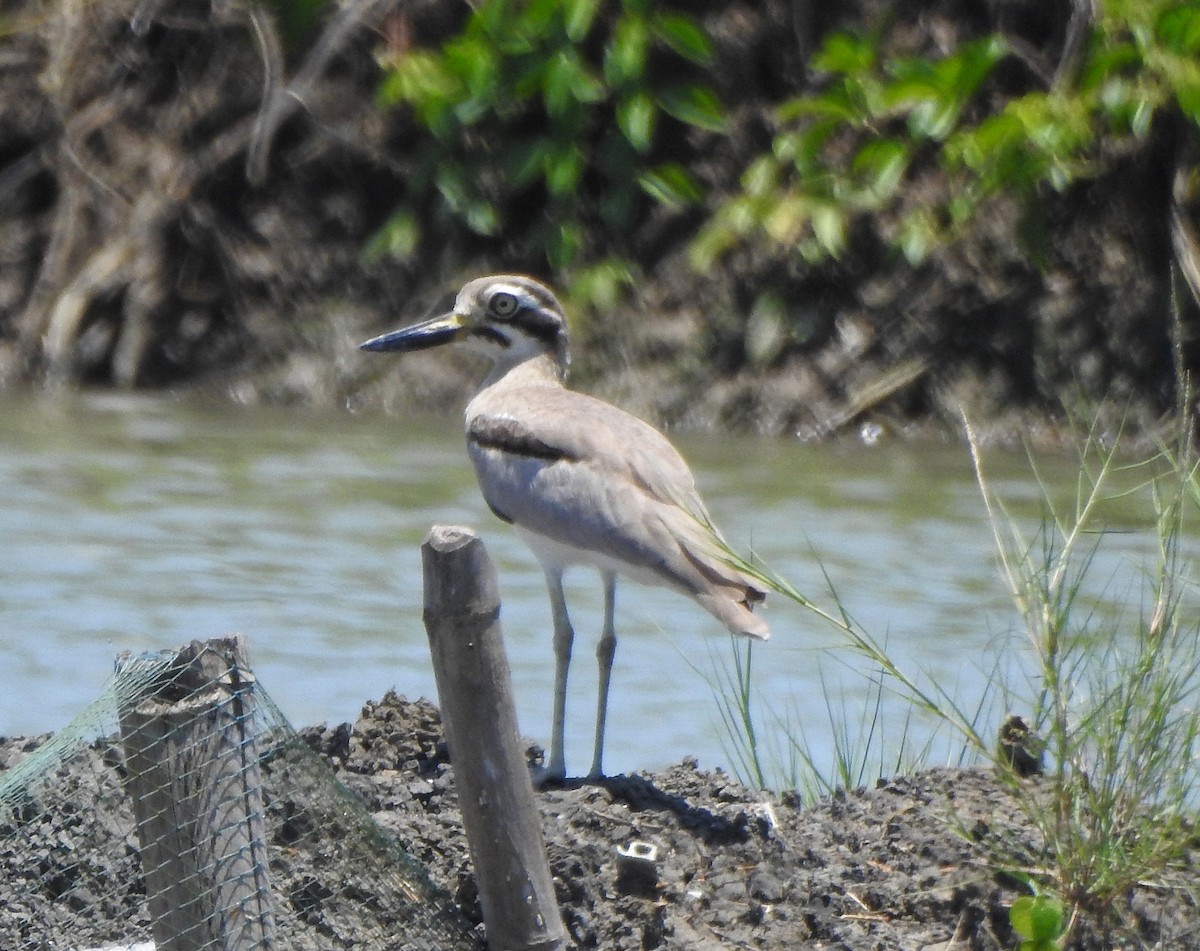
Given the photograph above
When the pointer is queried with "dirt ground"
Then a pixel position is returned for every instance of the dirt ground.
(898, 866)
(902, 865)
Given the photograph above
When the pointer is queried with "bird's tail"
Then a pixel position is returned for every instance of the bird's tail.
(736, 614)
(719, 584)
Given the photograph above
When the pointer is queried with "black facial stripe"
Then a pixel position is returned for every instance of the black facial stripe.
(492, 334)
(543, 327)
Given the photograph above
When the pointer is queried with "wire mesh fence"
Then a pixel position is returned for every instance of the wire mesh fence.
(181, 812)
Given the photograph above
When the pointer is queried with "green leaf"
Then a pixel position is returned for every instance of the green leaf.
(1047, 918)
(531, 25)
(786, 220)
(761, 178)
(671, 184)
(601, 285)
(490, 18)
(958, 77)
(829, 227)
(470, 111)
(684, 36)
(391, 90)
(831, 104)
(907, 91)
(482, 217)
(918, 234)
(557, 91)
(579, 16)
(478, 213)
(513, 42)
(625, 57)
(564, 169)
(980, 147)
(846, 54)
(474, 62)
(585, 86)
(1021, 916)
(398, 238)
(563, 245)
(742, 214)
(1129, 106)
(732, 221)
(1038, 918)
(933, 119)
(1188, 97)
(711, 243)
(976, 61)
(882, 163)
(418, 78)
(1179, 29)
(537, 19)
(637, 115)
(695, 105)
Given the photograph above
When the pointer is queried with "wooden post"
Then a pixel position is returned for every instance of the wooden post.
(193, 776)
(462, 618)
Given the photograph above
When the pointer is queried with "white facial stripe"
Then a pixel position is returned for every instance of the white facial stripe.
(520, 294)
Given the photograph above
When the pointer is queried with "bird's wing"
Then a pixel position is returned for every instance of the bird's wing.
(588, 475)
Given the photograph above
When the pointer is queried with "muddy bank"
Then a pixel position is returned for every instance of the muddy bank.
(903, 865)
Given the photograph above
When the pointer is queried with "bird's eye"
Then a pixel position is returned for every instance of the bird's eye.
(503, 304)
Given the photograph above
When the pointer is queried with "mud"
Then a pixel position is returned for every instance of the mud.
(910, 863)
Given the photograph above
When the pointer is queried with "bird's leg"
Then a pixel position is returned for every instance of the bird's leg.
(605, 651)
(564, 636)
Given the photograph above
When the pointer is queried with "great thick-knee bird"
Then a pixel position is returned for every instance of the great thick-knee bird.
(581, 481)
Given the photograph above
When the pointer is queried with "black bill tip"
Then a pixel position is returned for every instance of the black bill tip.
(431, 333)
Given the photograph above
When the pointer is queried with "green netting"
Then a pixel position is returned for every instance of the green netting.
(316, 869)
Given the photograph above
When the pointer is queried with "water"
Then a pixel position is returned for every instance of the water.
(131, 523)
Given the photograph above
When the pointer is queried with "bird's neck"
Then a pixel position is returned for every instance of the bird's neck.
(543, 369)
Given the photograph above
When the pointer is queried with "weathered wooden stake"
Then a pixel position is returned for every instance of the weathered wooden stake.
(462, 618)
(194, 779)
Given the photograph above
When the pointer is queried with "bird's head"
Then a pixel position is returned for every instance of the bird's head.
(508, 318)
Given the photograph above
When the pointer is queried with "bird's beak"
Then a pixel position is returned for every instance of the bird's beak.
(422, 336)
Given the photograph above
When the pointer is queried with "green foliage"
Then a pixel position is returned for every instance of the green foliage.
(547, 122)
(1115, 700)
(734, 690)
(553, 104)
(1142, 59)
(1040, 922)
(768, 748)
(849, 148)
(859, 143)
(598, 287)
(1117, 703)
